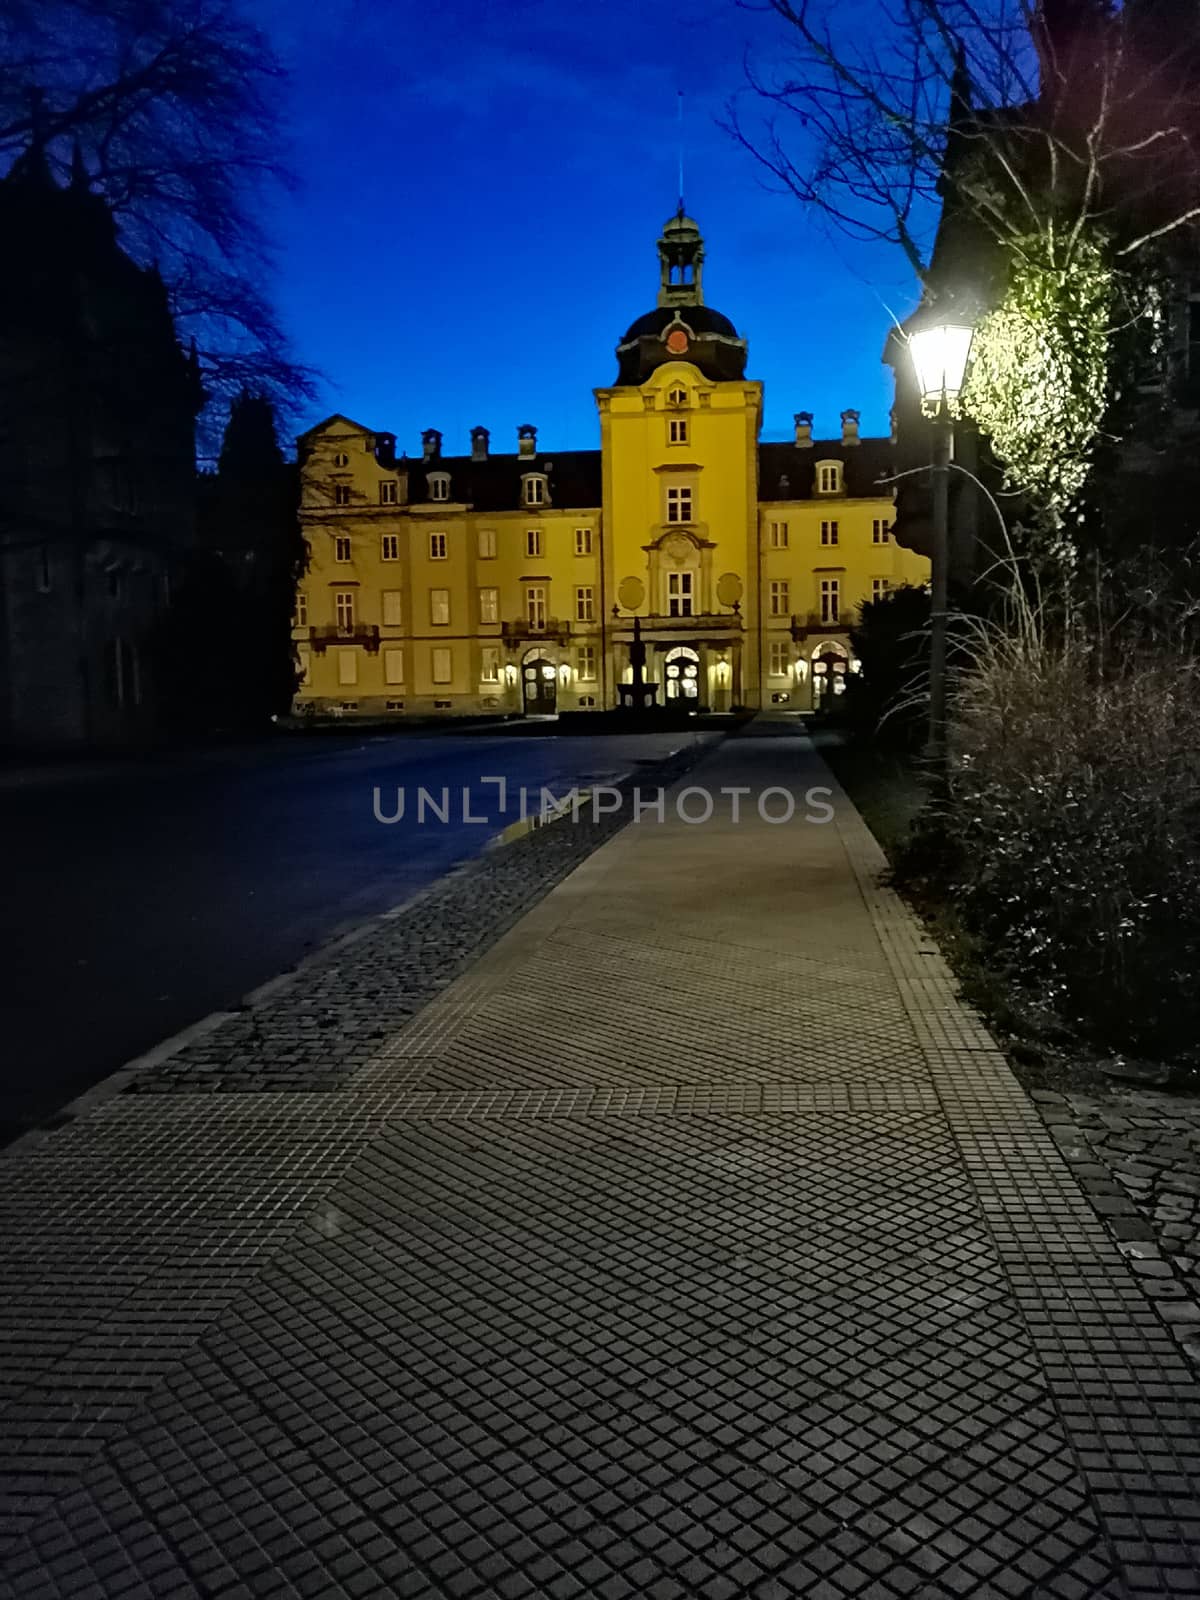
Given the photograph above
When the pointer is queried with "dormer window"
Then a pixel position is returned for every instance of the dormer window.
(533, 489)
(829, 477)
(677, 397)
(439, 485)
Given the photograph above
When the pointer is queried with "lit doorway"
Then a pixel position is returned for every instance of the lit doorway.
(539, 686)
(683, 675)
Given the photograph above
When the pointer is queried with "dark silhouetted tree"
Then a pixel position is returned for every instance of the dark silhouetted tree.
(170, 109)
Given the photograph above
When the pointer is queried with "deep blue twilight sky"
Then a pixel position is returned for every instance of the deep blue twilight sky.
(481, 187)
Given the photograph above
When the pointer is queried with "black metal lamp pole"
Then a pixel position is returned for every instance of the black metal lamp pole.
(943, 439)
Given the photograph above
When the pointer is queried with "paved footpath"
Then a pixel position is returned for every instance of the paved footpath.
(697, 1242)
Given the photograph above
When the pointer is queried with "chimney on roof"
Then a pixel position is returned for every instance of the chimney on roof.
(803, 420)
(431, 444)
(849, 427)
(527, 440)
(479, 444)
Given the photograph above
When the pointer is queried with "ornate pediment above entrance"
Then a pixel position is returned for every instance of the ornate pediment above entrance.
(677, 544)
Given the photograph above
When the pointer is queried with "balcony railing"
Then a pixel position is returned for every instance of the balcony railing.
(806, 622)
(363, 633)
(557, 629)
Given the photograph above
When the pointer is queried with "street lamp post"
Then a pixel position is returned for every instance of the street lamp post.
(940, 352)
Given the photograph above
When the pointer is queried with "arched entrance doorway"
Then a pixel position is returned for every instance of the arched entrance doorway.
(683, 675)
(830, 663)
(539, 685)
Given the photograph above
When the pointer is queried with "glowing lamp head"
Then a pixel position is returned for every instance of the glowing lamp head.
(940, 354)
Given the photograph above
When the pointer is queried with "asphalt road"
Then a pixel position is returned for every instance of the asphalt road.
(138, 897)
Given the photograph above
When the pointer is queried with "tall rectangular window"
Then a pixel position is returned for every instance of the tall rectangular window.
(829, 533)
(489, 605)
(304, 662)
(881, 531)
(535, 606)
(778, 535)
(779, 658)
(343, 609)
(831, 601)
(437, 547)
(487, 544)
(585, 661)
(301, 609)
(341, 494)
(679, 504)
(585, 605)
(389, 547)
(393, 666)
(677, 430)
(780, 598)
(533, 541)
(442, 664)
(347, 666)
(489, 664)
(387, 492)
(583, 541)
(439, 607)
(341, 548)
(679, 594)
(393, 609)
(880, 587)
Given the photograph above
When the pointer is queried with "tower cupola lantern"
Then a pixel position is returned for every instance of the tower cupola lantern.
(681, 262)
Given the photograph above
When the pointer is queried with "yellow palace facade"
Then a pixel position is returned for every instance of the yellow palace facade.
(509, 583)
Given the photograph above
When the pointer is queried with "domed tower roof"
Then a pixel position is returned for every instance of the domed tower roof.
(682, 327)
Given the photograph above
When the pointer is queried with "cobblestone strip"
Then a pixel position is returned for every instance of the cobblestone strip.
(1127, 1396)
(1136, 1154)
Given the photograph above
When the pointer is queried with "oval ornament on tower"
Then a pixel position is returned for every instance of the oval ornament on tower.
(631, 592)
(729, 588)
(677, 342)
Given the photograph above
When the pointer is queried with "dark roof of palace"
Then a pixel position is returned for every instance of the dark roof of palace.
(785, 472)
(573, 479)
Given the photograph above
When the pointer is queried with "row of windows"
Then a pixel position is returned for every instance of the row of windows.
(389, 545)
(680, 602)
(779, 533)
(533, 487)
(679, 509)
(441, 665)
(488, 603)
(829, 595)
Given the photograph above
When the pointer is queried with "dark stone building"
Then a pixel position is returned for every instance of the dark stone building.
(97, 468)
